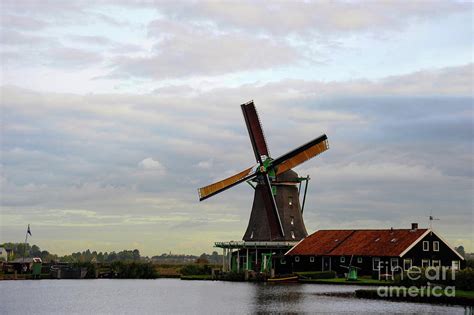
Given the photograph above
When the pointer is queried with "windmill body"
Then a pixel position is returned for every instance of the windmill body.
(289, 210)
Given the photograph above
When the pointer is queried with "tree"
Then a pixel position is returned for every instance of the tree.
(136, 254)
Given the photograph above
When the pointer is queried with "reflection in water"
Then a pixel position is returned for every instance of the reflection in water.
(276, 297)
(173, 296)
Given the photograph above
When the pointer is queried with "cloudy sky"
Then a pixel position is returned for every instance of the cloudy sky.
(113, 113)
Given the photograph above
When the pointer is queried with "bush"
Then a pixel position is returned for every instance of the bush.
(134, 270)
(195, 269)
(317, 274)
(465, 279)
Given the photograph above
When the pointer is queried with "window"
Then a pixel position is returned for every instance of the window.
(297, 258)
(375, 263)
(455, 264)
(426, 246)
(251, 235)
(407, 264)
(393, 263)
(292, 221)
(282, 261)
(343, 259)
(425, 263)
(290, 201)
(436, 263)
(311, 259)
(292, 234)
(359, 260)
(436, 246)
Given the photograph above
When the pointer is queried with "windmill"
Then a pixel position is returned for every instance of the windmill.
(351, 271)
(276, 212)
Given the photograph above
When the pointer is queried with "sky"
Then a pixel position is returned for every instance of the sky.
(113, 113)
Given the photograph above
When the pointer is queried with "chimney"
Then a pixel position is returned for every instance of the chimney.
(414, 226)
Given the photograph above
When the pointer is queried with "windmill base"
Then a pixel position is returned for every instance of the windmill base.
(265, 258)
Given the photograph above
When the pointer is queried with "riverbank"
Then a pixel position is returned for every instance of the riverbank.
(465, 298)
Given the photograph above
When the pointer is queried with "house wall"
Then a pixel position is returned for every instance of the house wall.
(334, 263)
(445, 254)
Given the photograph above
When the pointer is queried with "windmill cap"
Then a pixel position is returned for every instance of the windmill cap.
(288, 176)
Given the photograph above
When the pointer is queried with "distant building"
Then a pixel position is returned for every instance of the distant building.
(3, 254)
(370, 250)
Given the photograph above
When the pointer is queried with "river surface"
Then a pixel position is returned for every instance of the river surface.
(174, 296)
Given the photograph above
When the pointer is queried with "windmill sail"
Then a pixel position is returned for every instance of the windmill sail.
(301, 154)
(254, 128)
(215, 188)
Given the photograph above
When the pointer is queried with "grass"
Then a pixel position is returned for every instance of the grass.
(197, 277)
(361, 281)
(465, 294)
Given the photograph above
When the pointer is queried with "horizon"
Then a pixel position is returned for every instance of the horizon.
(114, 114)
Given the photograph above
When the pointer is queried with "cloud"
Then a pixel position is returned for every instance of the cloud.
(205, 164)
(151, 164)
(309, 17)
(190, 50)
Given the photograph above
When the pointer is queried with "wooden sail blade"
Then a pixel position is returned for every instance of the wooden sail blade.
(215, 188)
(300, 154)
(276, 227)
(255, 130)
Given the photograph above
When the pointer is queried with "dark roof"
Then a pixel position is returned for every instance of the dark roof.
(391, 242)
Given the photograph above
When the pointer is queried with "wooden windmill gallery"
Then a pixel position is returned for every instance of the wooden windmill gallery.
(276, 220)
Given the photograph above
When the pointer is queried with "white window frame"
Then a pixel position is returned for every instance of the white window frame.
(374, 266)
(311, 259)
(297, 258)
(436, 263)
(455, 264)
(282, 261)
(342, 259)
(392, 265)
(426, 246)
(359, 260)
(292, 235)
(423, 261)
(405, 262)
(436, 246)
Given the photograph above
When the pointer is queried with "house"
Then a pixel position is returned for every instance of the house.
(371, 251)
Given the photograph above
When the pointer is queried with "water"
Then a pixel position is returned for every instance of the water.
(173, 296)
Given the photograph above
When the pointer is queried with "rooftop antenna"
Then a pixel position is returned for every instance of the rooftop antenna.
(432, 218)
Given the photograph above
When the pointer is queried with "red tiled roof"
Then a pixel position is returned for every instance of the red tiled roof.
(357, 242)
